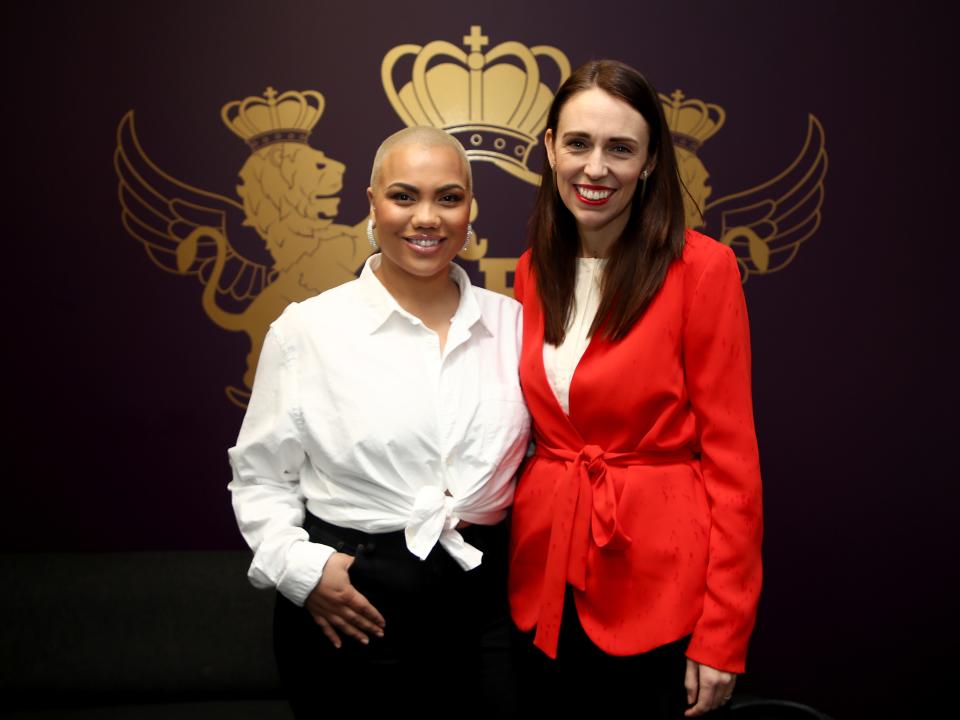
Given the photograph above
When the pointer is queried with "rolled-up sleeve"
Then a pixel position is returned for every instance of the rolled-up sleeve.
(717, 366)
(265, 488)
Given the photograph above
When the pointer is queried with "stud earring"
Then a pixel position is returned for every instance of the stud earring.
(370, 238)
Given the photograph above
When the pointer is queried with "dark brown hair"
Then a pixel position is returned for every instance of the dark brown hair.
(652, 239)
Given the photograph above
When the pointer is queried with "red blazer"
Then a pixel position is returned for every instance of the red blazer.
(646, 499)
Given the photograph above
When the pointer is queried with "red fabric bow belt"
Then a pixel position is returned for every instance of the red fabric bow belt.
(585, 509)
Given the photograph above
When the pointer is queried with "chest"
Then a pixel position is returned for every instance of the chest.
(396, 394)
(614, 382)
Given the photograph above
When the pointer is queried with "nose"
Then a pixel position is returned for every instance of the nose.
(425, 215)
(596, 166)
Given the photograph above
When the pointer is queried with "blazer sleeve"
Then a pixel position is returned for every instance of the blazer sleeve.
(266, 463)
(717, 365)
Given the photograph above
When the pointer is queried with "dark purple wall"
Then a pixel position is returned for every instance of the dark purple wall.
(115, 376)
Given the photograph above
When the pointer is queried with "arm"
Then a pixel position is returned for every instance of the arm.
(269, 505)
(266, 493)
(717, 365)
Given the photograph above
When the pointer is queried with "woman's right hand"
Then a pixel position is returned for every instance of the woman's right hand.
(338, 607)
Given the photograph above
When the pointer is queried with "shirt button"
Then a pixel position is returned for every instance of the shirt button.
(448, 460)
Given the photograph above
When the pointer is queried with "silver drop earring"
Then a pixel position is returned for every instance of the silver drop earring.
(372, 240)
(469, 237)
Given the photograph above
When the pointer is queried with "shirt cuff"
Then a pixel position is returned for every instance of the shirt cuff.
(305, 562)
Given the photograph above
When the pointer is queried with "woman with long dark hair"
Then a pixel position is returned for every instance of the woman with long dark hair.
(635, 554)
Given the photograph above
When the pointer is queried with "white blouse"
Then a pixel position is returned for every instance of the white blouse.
(357, 415)
(560, 361)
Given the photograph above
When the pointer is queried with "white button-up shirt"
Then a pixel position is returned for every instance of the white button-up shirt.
(357, 415)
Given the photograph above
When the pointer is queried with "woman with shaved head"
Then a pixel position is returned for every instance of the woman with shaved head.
(375, 465)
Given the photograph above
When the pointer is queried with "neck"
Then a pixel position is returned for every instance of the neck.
(415, 294)
(596, 243)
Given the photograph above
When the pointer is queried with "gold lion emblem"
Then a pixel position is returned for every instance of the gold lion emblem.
(288, 196)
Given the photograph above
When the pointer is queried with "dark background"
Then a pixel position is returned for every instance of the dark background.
(118, 420)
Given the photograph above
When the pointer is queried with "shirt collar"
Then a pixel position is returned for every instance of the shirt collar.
(381, 305)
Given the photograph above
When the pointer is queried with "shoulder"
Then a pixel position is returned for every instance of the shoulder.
(320, 313)
(703, 254)
(522, 276)
(710, 278)
(496, 306)
(701, 250)
(523, 264)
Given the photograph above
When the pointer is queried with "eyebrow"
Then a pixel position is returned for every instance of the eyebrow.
(414, 189)
(581, 134)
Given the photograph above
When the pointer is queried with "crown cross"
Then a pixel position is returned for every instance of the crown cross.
(475, 40)
(271, 95)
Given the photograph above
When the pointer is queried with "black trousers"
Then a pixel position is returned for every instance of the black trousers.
(446, 649)
(585, 681)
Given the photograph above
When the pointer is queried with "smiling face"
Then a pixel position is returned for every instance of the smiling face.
(598, 152)
(420, 206)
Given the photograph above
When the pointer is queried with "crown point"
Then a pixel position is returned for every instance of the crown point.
(274, 117)
(691, 121)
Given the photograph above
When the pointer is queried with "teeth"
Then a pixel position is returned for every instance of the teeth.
(424, 243)
(595, 194)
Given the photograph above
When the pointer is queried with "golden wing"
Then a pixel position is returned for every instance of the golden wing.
(765, 225)
(170, 217)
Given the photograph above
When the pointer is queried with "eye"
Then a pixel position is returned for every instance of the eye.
(451, 198)
(622, 149)
(576, 144)
(401, 196)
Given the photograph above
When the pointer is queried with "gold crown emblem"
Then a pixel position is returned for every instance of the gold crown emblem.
(494, 103)
(692, 122)
(260, 121)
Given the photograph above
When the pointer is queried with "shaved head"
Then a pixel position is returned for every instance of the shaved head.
(424, 136)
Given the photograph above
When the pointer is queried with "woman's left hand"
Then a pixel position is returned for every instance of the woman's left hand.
(707, 688)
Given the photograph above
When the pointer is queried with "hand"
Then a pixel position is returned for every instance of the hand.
(707, 687)
(336, 605)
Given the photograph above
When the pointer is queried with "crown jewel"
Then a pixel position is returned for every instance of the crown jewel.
(273, 118)
(493, 102)
(692, 122)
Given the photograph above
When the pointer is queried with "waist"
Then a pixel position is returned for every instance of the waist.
(378, 505)
(347, 540)
(616, 459)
